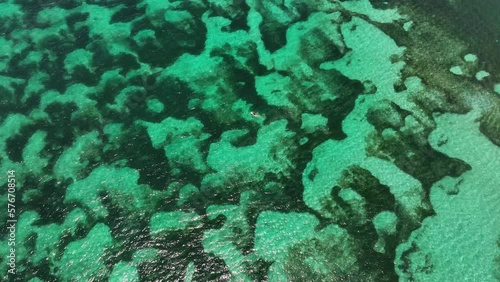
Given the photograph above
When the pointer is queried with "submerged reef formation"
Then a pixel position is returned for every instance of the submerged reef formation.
(251, 140)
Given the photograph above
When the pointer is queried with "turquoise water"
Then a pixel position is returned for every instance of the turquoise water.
(250, 140)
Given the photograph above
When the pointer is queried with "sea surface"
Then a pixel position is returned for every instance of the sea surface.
(250, 140)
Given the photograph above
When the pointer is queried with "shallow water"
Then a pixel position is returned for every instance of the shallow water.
(250, 140)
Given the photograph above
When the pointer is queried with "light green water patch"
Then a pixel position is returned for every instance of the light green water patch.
(8, 87)
(332, 157)
(124, 272)
(275, 88)
(227, 242)
(481, 75)
(364, 7)
(24, 229)
(305, 43)
(11, 126)
(55, 28)
(304, 87)
(99, 24)
(212, 77)
(181, 140)
(312, 123)
(372, 56)
(366, 63)
(5, 50)
(155, 106)
(496, 88)
(79, 94)
(78, 59)
(144, 255)
(49, 236)
(276, 232)
(460, 242)
(76, 158)
(113, 132)
(291, 241)
(470, 58)
(83, 259)
(385, 223)
(120, 183)
(36, 83)
(11, 13)
(456, 70)
(185, 193)
(250, 163)
(209, 69)
(407, 190)
(164, 222)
